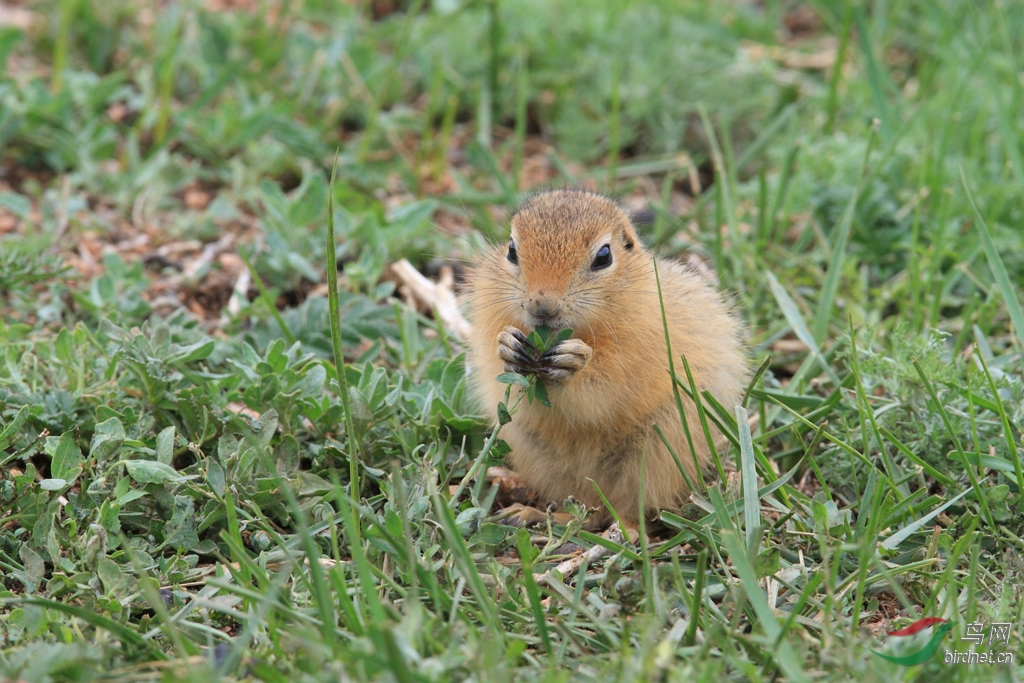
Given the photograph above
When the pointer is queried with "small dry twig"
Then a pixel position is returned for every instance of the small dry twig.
(211, 251)
(597, 552)
(440, 296)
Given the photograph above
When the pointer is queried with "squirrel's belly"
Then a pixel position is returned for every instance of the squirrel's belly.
(554, 479)
(557, 462)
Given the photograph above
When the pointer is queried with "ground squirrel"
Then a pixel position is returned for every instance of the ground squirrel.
(573, 260)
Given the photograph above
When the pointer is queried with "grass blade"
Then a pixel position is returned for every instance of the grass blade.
(1012, 448)
(751, 502)
(698, 599)
(783, 654)
(122, 632)
(675, 388)
(796, 321)
(903, 534)
(527, 555)
(467, 568)
(339, 355)
(878, 79)
(982, 501)
(265, 295)
(835, 266)
(995, 262)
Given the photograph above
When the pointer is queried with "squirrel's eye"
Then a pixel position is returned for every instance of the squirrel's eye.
(513, 255)
(603, 258)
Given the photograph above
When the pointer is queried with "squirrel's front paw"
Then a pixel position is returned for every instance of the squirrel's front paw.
(514, 348)
(562, 361)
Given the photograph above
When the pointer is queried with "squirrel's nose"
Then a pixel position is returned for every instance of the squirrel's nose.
(542, 308)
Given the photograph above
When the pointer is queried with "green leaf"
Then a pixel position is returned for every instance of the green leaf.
(52, 544)
(109, 573)
(266, 425)
(393, 523)
(7, 435)
(303, 266)
(67, 459)
(192, 352)
(989, 462)
(123, 492)
(540, 392)
(151, 472)
(64, 345)
(514, 378)
(109, 512)
(997, 494)
(17, 204)
(215, 477)
(561, 336)
(180, 533)
(767, 563)
(35, 569)
(527, 552)
(468, 521)
(165, 445)
(107, 438)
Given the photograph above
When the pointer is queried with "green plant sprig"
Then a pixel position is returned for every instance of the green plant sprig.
(538, 342)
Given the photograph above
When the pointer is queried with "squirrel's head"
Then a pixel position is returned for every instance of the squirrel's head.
(572, 255)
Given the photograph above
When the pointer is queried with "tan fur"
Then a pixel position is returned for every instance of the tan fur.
(600, 420)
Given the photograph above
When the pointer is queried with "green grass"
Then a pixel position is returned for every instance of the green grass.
(205, 479)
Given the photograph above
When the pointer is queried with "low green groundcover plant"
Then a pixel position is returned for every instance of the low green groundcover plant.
(233, 447)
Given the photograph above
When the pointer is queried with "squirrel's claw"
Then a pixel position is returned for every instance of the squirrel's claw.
(520, 336)
(512, 349)
(520, 515)
(557, 364)
(565, 359)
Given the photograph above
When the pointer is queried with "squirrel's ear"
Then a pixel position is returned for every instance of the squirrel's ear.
(642, 217)
(628, 237)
